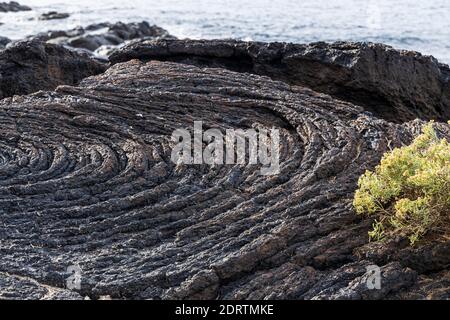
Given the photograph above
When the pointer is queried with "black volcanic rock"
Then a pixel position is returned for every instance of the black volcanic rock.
(103, 37)
(30, 66)
(4, 41)
(395, 85)
(86, 179)
(53, 15)
(55, 34)
(15, 287)
(116, 34)
(12, 6)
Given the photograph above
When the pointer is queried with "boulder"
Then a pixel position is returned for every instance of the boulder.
(30, 66)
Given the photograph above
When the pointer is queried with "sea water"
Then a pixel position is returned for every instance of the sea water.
(422, 26)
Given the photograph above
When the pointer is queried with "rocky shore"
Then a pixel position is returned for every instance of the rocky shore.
(86, 178)
(102, 39)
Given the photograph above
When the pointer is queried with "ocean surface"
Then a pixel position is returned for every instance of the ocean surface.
(422, 26)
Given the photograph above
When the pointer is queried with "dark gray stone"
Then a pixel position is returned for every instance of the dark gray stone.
(30, 66)
(12, 6)
(53, 15)
(395, 85)
(3, 42)
(86, 179)
(93, 37)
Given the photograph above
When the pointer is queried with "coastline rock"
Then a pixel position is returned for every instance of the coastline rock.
(53, 15)
(30, 66)
(52, 34)
(13, 6)
(86, 179)
(3, 42)
(103, 38)
(394, 85)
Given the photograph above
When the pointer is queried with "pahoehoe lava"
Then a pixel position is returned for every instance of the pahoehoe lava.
(86, 179)
(395, 85)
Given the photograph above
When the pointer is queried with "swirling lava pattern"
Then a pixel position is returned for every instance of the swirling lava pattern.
(86, 179)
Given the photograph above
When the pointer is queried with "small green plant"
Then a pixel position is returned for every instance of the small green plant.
(409, 191)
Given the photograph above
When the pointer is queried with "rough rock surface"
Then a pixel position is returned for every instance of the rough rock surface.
(395, 85)
(30, 66)
(102, 36)
(16, 287)
(86, 179)
(13, 6)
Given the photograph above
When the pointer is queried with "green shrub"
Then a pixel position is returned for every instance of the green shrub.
(409, 191)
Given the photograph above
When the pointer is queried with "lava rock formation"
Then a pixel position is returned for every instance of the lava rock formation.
(30, 66)
(86, 177)
(395, 85)
(102, 39)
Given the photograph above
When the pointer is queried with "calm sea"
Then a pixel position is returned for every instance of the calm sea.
(405, 24)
